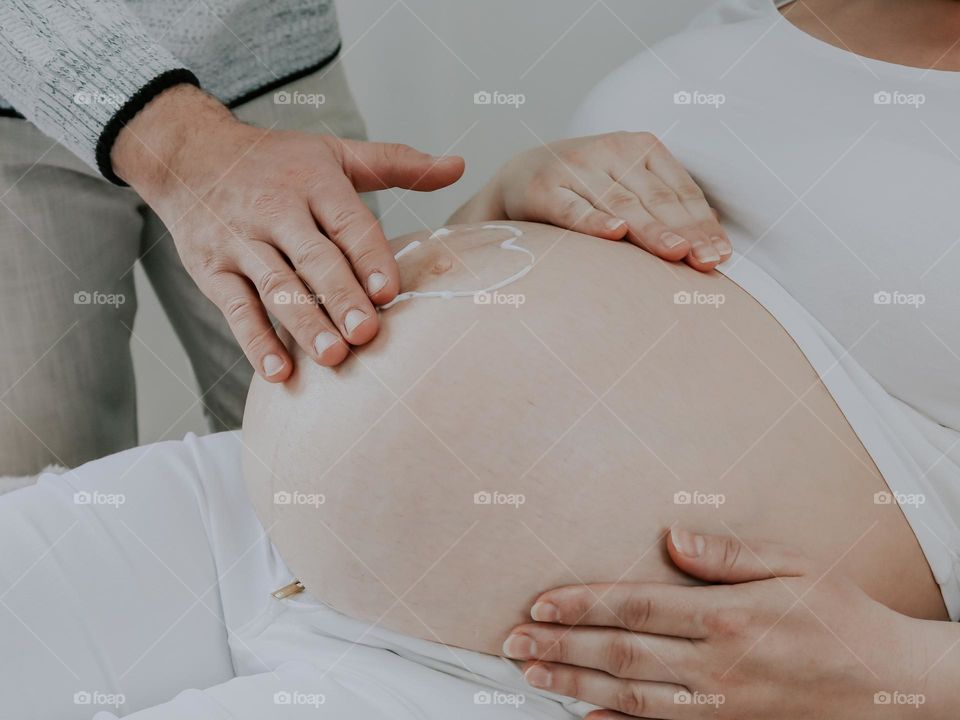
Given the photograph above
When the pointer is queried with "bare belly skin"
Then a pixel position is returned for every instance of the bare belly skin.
(580, 414)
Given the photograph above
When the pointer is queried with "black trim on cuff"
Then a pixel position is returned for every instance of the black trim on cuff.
(125, 114)
(156, 86)
(280, 82)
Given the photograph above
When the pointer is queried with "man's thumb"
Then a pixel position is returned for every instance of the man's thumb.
(378, 166)
(726, 559)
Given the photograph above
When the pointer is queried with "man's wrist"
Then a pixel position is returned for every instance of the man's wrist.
(150, 149)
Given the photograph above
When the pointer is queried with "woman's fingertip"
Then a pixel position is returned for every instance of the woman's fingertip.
(539, 676)
(671, 240)
(706, 253)
(543, 611)
(687, 543)
(722, 245)
(615, 225)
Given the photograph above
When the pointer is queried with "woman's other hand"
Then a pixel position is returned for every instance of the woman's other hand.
(781, 639)
(614, 186)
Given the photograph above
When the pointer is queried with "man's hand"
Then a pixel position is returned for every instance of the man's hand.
(270, 220)
(783, 639)
(614, 186)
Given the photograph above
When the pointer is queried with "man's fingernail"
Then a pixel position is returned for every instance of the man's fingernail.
(687, 543)
(272, 364)
(323, 341)
(520, 647)
(706, 253)
(722, 245)
(538, 676)
(354, 319)
(544, 612)
(671, 240)
(614, 224)
(376, 282)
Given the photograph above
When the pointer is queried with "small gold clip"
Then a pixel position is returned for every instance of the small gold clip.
(287, 590)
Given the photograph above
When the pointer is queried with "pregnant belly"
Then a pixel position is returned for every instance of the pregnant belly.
(475, 455)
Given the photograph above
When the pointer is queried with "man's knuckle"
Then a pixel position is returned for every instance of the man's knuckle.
(237, 310)
(390, 154)
(343, 217)
(258, 345)
(206, 263)
(366, 254)
(400, 150)
(237, 229)
(269, 203)
(272, 280)
(304, 324)
(303, 177)
(337, 296)
(309, 252)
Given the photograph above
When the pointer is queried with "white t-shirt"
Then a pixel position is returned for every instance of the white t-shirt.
(837, 175)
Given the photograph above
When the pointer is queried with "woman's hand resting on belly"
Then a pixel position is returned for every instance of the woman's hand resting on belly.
(782, 639)
(623, 185)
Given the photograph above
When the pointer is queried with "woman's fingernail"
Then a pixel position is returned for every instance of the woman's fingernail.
(544, 612)
(671, 240)
(614, 224)
(706, 253)
(354, 319)
(520, 647)
(376, 282)
(722, 245)
(323, 341)
(272, 364)
(538, 676)
(687, 543)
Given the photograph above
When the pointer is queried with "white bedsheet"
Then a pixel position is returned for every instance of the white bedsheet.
(139, 585)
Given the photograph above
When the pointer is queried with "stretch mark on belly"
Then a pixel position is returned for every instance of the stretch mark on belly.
(508, 244)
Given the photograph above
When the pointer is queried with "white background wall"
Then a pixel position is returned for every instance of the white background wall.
(414, 66)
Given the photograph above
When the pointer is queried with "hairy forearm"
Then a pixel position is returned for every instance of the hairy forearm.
(151, 149)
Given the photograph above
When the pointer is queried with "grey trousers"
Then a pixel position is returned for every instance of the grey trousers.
(69, 241)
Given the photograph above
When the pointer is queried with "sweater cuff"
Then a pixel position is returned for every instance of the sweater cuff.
(126, 113)
(94, 88)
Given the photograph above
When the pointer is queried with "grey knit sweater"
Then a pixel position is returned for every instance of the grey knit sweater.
(80, 69)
